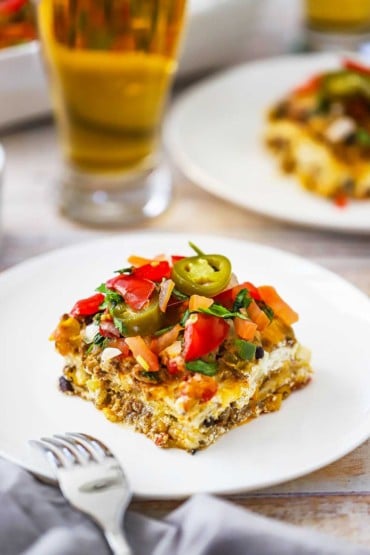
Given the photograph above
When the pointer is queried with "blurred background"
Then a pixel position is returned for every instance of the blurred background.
(105, 70)
(219, 33)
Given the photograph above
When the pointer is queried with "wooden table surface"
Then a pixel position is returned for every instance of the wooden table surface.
(334, 499)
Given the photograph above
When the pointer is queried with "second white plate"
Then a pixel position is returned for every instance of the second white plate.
(214, 134)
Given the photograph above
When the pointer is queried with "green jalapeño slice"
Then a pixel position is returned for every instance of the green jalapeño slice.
(206, 274)
(142, 322)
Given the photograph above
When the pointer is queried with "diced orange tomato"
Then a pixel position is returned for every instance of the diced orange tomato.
(158, 344)
(258, 316)
(143, 355)
(198, 301)
(245, 328)
(138, 261)
(271, 297)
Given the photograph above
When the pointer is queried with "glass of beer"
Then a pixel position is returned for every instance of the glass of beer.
(110, 65)
(338, 24)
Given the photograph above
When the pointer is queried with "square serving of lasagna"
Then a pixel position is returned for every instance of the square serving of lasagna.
(179, 349)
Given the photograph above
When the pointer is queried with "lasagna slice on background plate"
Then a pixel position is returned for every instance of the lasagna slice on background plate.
(320, 132)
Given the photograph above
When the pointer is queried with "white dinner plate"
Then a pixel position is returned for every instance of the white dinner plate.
(214, 134)
(315, 426)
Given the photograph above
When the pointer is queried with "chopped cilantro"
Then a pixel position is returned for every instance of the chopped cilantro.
(119, 325)
(111, 297)
(127, 270)
(102, 288)
(100, 340)
(162, 331)
(97, 318)
(245, 349)
(243, 300)
(180, 296)
(220, 311)
(185, 316)
(202, 367)
(266, 309)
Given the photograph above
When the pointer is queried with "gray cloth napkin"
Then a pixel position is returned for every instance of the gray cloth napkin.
(35, 519)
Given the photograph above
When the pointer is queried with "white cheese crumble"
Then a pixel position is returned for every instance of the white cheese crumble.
(107, 354)
(340, 129)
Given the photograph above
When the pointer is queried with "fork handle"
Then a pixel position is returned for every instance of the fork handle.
(117, 542)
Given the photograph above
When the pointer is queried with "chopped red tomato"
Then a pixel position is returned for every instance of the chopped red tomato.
(309, 86)
(87, 307)
(155, 271)
(227, 298)
(245, 328)
(280, 307)
(135, 291)
(341, 200)
(353, 65)
(203, 334)
(173, 368)
(121, 345)
(143, 355)
(108, 329)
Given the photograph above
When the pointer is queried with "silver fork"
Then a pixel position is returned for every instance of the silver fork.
(92, 480)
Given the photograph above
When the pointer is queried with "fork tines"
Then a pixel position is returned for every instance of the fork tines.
(68, 449)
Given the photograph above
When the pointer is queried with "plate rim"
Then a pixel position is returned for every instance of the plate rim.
(201, 179)
(32, 262)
